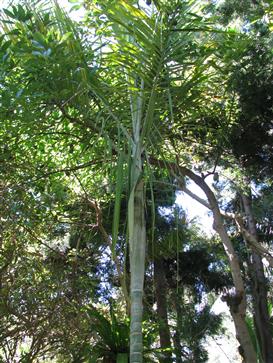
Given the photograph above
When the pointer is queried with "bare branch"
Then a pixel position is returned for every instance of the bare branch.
(195, 197)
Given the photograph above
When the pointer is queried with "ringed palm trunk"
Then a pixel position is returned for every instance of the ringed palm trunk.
(137, 242)
(137, 263)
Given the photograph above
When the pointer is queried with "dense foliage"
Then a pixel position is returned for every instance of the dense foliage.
(103, 121)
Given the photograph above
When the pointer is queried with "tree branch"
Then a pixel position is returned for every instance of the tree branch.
(108, 240)
(195, 197)
(253, 242)
(72, 168)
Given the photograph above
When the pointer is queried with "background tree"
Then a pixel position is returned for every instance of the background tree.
(90, 112)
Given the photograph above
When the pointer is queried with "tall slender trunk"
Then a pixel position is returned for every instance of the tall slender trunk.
(137, 265)
(137, 242)
(259, 289)
(162, 312)
(236, 300)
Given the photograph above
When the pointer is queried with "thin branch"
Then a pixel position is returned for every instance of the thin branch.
(108, 240)
(72, 168)
(33, 235)
(195, 197)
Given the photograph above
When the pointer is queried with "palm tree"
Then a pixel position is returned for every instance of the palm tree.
(137, 72)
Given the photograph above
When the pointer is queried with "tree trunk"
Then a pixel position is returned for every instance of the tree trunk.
(259, 290)
(137, 265)
(237, 299)
(137, 242)
(162, 312)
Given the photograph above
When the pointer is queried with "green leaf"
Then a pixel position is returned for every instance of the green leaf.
(10, 14)
(75, 7)
(66, 36)
(118, 196)
(6, 45)
(20, 13)
(40, 38)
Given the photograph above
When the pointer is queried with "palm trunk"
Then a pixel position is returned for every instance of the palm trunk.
(259, 290)
(137, 237)
(162, 312)
(137, 264)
